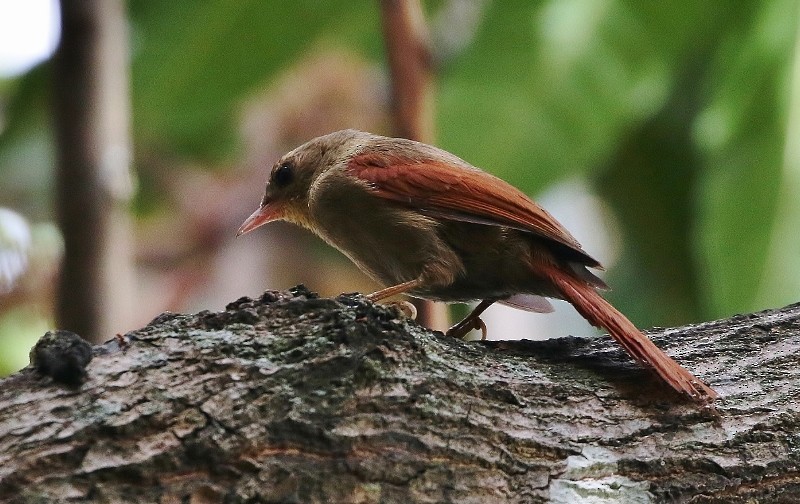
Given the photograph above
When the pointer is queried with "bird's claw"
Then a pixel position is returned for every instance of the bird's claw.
(405, 308)
(463, 328)
(480, 324)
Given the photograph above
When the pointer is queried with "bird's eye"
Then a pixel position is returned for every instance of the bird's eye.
(283, 175)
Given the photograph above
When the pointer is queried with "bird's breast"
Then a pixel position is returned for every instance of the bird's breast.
(389, 242)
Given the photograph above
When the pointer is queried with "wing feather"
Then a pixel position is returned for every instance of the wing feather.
(459, 192)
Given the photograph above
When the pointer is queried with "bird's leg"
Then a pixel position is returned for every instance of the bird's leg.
(471, 321)
(394, 289)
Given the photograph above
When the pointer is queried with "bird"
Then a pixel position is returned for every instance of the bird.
(426, 223)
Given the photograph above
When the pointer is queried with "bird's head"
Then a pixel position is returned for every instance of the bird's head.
(292, 177)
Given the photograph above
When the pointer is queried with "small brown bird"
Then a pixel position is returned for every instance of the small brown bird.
(424, 222)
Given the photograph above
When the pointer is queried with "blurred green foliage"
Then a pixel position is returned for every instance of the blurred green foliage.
(20, 328)
(677, 111)
(193, 62)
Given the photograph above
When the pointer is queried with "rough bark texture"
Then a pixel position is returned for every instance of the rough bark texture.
(290, 398)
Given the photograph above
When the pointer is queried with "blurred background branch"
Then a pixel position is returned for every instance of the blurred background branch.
(96, 293)
(663, 136)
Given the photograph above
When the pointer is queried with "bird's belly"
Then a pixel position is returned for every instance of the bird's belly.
(496, 264)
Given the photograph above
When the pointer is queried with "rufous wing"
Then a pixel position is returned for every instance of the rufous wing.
(459, 192)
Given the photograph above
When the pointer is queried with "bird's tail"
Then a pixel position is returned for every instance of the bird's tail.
(599, 312)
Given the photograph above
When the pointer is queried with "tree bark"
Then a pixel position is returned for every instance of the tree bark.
(292, 398)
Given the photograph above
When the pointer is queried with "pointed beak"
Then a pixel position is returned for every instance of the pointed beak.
(267, 213)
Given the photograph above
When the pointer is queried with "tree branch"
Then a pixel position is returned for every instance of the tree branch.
(291, 398)
(408, 54)
(90, 98)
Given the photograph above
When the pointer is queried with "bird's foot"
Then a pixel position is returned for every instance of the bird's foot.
(404, 308)
(461, 329)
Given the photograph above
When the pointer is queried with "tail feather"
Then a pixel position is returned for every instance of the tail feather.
(600, 312)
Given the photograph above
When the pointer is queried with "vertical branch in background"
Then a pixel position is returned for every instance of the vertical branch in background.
(91, 101)
(409, 56)
(410, 67)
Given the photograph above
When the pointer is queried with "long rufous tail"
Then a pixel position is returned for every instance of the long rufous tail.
(599, 312)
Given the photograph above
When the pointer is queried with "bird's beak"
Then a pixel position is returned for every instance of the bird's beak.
(267, 213)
